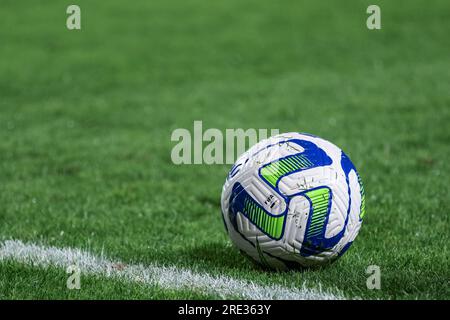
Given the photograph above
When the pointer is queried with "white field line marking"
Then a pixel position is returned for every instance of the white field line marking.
(154, 275)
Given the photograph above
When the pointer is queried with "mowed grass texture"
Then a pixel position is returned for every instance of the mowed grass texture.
(86, 118)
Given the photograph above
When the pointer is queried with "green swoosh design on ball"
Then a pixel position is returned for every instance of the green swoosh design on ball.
(269, 224)
(272, 225)
(274, 171)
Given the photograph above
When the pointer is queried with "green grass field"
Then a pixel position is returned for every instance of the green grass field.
(86, 118)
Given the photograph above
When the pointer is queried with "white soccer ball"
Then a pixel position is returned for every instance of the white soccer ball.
(293, 200)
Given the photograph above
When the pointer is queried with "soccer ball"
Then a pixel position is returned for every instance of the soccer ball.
(292, 201)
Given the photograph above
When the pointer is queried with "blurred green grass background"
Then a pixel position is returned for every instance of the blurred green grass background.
(86, 118)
